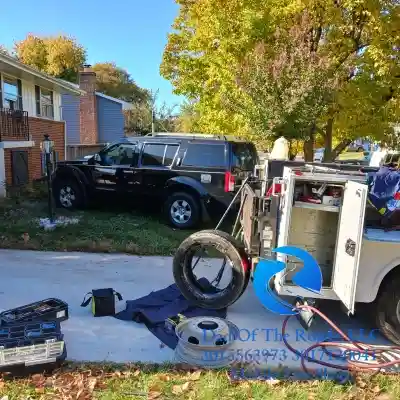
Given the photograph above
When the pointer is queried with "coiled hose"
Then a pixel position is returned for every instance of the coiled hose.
(378, 353)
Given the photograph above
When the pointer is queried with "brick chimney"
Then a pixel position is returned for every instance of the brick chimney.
(88, 110)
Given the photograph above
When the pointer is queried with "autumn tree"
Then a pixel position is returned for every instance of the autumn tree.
(355, 41)
(59, 56)
(116, 82)
(288, 82)
(62, 57)
(144, 116)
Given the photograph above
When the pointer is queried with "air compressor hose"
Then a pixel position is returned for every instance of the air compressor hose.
(379, 354)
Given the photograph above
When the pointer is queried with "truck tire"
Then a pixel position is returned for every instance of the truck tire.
(182, 210)
(187, 282)
(68, 194)
(387, 307)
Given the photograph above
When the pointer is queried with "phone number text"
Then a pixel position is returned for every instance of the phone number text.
(264, 355)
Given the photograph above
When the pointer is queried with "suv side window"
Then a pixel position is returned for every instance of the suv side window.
(120, 154)
(205, 156)
(158, 154)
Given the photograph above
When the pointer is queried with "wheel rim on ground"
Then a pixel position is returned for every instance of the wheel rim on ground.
(180, 211)
(67, 196)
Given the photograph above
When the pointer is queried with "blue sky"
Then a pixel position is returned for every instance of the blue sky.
(132, 33)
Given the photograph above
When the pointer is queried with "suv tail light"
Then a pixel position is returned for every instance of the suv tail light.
(229, 182)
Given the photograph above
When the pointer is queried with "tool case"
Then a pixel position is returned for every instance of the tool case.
(44, 310)
(31, 344)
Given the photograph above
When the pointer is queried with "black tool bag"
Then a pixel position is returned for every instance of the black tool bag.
(103, 302)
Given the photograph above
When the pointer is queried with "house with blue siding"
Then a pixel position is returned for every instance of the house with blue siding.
(92, 119)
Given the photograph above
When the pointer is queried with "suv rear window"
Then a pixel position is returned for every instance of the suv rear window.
(244, 156)
(157, 155)
(205, 155)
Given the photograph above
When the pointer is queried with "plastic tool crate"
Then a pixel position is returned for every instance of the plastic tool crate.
(31, 344)
(44, 310)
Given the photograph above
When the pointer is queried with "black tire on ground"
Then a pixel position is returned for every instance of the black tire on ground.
(182, 210)
(360, 149)
(187, 282)
(387, 307)
(68, 194)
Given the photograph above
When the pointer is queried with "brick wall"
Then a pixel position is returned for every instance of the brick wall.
(88, 107)
(38, 128)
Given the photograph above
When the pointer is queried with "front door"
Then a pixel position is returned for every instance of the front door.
(349, 241)
(110, 172)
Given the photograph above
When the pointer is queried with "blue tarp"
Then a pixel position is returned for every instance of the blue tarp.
(153, 310)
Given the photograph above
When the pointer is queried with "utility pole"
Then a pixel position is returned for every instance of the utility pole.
(152, 118)
(153, 112)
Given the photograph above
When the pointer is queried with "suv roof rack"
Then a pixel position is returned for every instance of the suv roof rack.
(188, 135)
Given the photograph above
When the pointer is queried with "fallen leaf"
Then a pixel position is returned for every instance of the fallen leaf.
(137, 372)
(91, 384)
(272, 382)
(361, 384)
(195, 376)
(179, 389)
(101, 385)
(384, 396)
(376, 389)
(164, 377)
(39, 389)
(36, 377)
(153, 395)
(156, 387)
(48, 383)
(2, 384)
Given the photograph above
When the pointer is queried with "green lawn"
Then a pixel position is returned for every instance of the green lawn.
(99, 230)
(86, 382)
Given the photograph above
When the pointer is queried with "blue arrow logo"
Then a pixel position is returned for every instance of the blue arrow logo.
(308, 278)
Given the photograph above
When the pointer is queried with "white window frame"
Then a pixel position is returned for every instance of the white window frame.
(3, 93)
(41, 105)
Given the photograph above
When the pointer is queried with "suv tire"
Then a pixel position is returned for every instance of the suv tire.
(187, 282)
(68, 194)
(387, 310)
(182, 210)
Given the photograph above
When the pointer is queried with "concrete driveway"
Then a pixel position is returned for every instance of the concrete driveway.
(29, 276)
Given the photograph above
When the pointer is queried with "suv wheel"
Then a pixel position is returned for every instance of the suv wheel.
(182, 210)
(68, 195)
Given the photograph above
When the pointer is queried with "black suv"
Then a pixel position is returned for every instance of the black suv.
(195, 176)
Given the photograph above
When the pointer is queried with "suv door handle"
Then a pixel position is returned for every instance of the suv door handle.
(129, 171)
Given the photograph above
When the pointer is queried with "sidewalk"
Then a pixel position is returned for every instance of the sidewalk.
(29, 276)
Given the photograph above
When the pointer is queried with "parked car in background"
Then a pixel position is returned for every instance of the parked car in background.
(195, 177)
(392, 158)
(318, 155)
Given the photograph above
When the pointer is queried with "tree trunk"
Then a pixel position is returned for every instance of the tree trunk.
(328, 155)
(340, 147)
(308, 146)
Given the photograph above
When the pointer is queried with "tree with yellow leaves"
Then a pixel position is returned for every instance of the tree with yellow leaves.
(302, 68)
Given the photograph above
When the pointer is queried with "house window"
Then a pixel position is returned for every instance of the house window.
(11, 93)
(44, 102)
